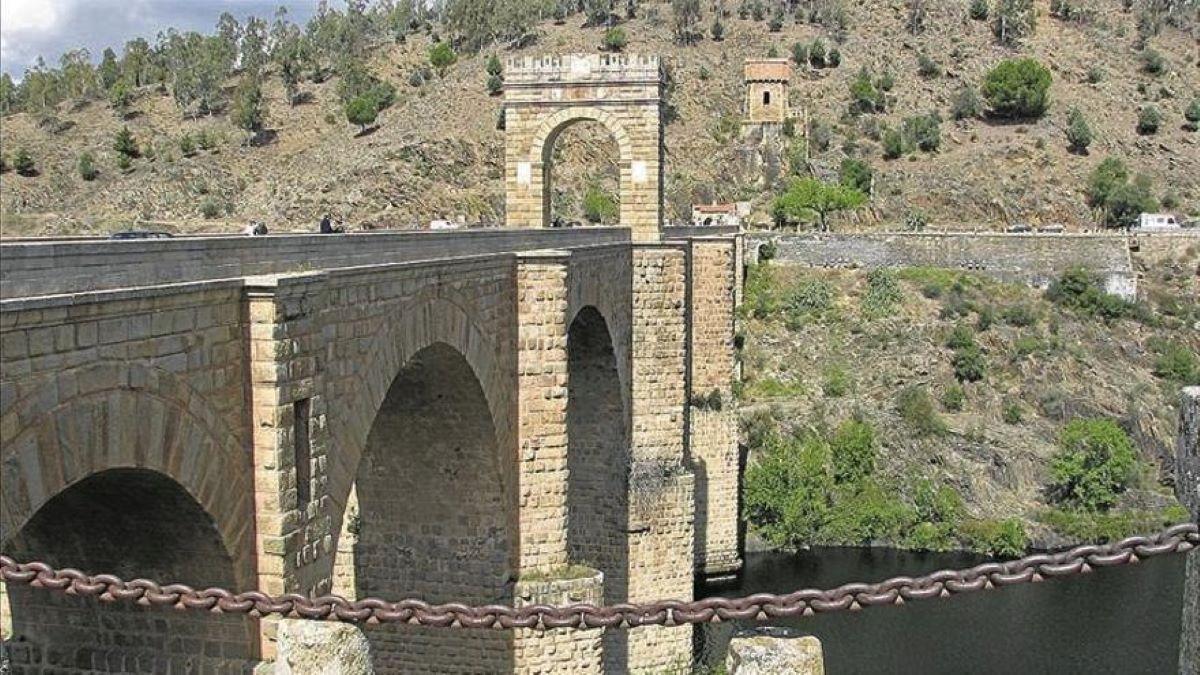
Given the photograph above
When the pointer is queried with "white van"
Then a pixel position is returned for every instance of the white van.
(1157, 221)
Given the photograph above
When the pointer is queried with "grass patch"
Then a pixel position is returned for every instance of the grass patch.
(1091, 526)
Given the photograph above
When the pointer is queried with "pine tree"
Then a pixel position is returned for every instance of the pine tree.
(23, 163)
(1079, 134)
(124, 144)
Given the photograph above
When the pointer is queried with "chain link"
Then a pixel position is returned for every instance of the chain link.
(854, 596)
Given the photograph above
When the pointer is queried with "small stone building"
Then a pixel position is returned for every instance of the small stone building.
(766, 83)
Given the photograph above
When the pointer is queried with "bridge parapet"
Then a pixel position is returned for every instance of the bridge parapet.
(582, 68)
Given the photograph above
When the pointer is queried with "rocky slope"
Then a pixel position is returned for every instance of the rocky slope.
(438, 153)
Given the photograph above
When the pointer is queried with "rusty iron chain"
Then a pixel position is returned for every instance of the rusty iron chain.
(854, 596)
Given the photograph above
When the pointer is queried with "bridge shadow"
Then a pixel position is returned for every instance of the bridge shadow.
(598, 463)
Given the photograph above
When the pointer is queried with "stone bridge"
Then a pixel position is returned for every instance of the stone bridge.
(505, 416)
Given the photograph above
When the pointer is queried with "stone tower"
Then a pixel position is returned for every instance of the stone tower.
(766, 83)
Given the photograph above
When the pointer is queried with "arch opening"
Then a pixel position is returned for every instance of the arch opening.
(432, 519)
(598, 468)
(132, 523)
(582, 181)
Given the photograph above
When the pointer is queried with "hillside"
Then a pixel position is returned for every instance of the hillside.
(437, 151)
(818, 350)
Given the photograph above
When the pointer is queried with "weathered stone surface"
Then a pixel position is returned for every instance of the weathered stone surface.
(774, 651)
(1187, 487)
(322, 648)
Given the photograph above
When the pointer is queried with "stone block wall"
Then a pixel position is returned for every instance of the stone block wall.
(1187, 488)
(1034, 259)
(712, 423)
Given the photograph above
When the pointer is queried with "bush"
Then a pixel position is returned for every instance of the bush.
(835, 382)
(809, 296)
(865, 97)
(969, 363)
(1082, 290)
(979, 10)
(893, 144)
(937, 504)
(1013, 20)
(1079, 134)
(1017, 88)
(718, 30)
(1111, 526)
(853, 448)
(776, 23)
(124, 163)
(1149, 120)
(362, 111)
(1012, 412)
(494, 85)
(615, 39)
(598, 206)
(442, 56)
(834, 58)
(816, 53)
(927, 67)
(954, 398)
(416, 79)
(800, 54)
(883, 293)
(1095, 464)
(966, 104)
(916, 408)
(1020, 315)
(210, 208)
(1110, 189)
(960, 337)
(1192, 114)
(856, 174)
(187, 146)
(924, 131)
(1005, 538)
(87, 167)
(1153, 62)
(494, 67)
(786, 490)
(1177, 363)
(125, 144)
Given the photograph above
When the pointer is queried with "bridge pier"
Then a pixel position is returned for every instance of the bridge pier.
(1187, 488)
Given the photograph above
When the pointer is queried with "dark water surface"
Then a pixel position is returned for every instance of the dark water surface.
(1118, 620)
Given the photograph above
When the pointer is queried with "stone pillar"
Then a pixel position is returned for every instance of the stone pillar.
(774, 651)
(712, 425)
(544, 576)
(1187, 488)
(290, 437)
(661, 487)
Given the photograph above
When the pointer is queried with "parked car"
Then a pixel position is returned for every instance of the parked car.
(1055, 228)
(1019, 227)
(1157, 221)
(140, 234)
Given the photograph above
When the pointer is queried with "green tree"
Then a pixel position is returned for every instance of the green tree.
(249, 110)
(1014, 20)
(1096, 462)
(598, 206)
(615, 39)
(8, 94)
(853, 448)
(856, 174)
(1149, 120)
(120, 96)
(1079, 134)
(688, 14)
(494, 67)
(87, 166)
(787, 490)
(361, 111)
(109, 71)
(494, 85)
(442, 56)
(1110, 174)
(808, 199)
(187, 146)
(1017, 88)
(865, 97)
(718, 29)
(78, 76)
(125, 144)
(23, 163)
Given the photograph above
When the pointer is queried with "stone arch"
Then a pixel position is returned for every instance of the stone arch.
(598, 463)
(110, 415)
(541, 152)
(544, 95)
(135, 523)
(433, 518)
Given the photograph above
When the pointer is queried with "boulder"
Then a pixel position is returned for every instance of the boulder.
(774, 651)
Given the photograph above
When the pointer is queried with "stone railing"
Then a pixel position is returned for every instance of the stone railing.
(582, 68)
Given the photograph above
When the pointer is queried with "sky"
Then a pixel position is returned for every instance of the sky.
(29, 28)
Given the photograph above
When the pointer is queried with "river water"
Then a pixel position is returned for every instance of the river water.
(1117, 620)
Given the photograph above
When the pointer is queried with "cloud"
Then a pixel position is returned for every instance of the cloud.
(47, 28)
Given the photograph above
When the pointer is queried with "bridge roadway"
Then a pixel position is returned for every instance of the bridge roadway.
(477, 416)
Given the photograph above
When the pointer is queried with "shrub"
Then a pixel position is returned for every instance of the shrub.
(883, 293)
(416, 79)
(996, 538)
(87, 166)
(442, 56)
(718, 29)
(916, 408)
(1110, 526)
(598, 206)
(931, 537)
(819, 134)
(836, 381)
(615, 39)
(494, 67)
(1096, 462)
(1012, 413)
(1149, 120)
(857, 174)
(494, 85)
(954, 398)
(979, 10)
(1079, 134)
(1104, 179)
(210, 208)
(362, 111)
(937, 504)
(816, 53)
(125, 144)
(1013, 20)
(1017, 88)
(776, 23)
(206, 140)
(966, 104)
(1177, 363)
(800, 54)
(834, 58)
(1110, 189)
(1095, 74)
(865, 512)
(786, 490)
(1081, 289)
(1020, 315)
(893, 144)
(924, 131)
(1153, 62)
(865, 97)
(853, 448)
(187, 146)
(809, 296)
(1192, 114)
(124, 163)
(927, 67)
(969, 363)
(960, 337)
